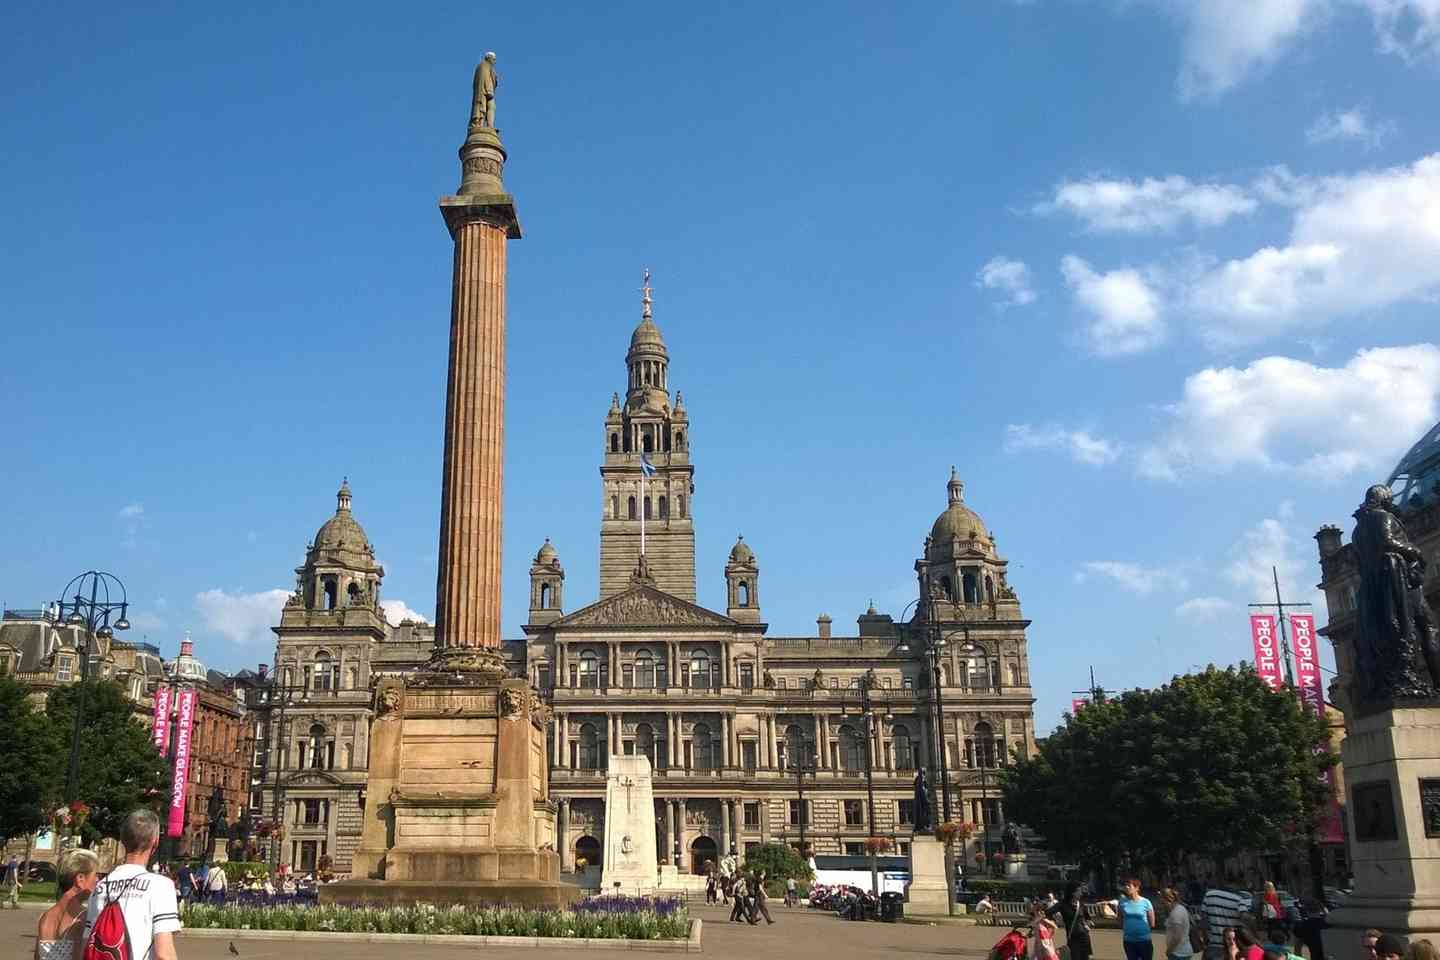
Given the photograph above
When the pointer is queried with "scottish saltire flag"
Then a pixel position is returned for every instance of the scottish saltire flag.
(646, 467)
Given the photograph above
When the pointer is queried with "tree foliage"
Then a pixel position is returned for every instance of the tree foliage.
(1210, 764)
(32, 759)
(778, 861)
(120, 769)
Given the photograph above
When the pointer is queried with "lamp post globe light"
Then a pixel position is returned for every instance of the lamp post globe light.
(96, 601)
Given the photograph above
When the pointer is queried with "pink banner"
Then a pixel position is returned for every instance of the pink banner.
(1307, 663)
(1267, 657)
(183, 723)
(161, 729)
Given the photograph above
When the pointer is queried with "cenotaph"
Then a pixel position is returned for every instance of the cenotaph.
(630, 860)
(1391, 752)
(459, 805)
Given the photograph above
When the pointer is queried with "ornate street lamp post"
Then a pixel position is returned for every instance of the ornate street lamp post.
(867, 710)
(89, 601)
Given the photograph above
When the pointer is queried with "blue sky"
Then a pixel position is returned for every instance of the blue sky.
(1157, 277)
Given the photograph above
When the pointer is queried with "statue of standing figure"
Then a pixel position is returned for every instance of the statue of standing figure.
(1397, 651)
(482, 108)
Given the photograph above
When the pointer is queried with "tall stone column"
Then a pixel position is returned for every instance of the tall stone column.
(481, 219)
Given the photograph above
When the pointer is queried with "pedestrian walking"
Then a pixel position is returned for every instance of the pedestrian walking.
(144, 902)
(185, 883)
(1272, 912)
(59, 935)
(758, 901)
(711, 894)
(216, 885)
(1070, 911)
(1177, 926)
(1223, 908)
(1042, 934)
(12, 883)
(792, 895)
(1137, 915)
(737, 893)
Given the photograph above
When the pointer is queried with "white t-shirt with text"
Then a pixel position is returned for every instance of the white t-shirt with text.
(146, 899)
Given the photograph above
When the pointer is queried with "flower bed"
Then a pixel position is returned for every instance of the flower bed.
(597, 918)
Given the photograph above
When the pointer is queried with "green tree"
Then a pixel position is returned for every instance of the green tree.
(120, 769)
(31, 769)
(778, 861)
(1211, 763)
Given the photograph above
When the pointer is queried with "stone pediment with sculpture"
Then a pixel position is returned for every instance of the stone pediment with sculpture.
(644, 606)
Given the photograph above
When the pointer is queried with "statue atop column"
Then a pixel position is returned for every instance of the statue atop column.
(482, 108)
(1397, 651)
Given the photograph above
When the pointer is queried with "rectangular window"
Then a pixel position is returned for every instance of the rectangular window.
(4, 665)
(905, 812)
(989, 812)
(312, 812)
(662, 678)
(908, 683)
(854, 813)
(747, 755)
(542, 675)
(574, 676)
(64, 669)
(797, 814)
(854, 849)
(627, 676)
(752, 816)
(685, 676)
(834, 683)
(747, 676)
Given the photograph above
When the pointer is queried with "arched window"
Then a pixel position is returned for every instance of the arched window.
(632, 508)
(989, 589)
(625, 444)
(644, 670)
(323, 671)
(347, 755)
(972, 587)
(702, 747)
(589, 671)
(852, 747)
(648, 442)
(679, 439)
(680, 505)
(317, 746)
(544, 596)
(699, 670)
(664, 508)
(947, 588)
(614, 508)
(982, 745)
(614, 443)
(352, 677)
(645, 741)
(903, 750)
(352, 593)
(797, 751)
(979, 672)
(289, 676)
(742, 592)
(330, 594)
(589, 748)
(648, 515)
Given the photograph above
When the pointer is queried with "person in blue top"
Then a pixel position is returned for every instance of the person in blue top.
(1137, 915)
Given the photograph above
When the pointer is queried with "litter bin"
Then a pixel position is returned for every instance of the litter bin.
(892, 906)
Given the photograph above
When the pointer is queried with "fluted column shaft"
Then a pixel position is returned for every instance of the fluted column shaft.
(467, 593)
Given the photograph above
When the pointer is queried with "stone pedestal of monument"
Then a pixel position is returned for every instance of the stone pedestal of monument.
(1015, 865)
(630, 860)
(1392, 775)
(219, 850)
(458, 808)
(929, 890)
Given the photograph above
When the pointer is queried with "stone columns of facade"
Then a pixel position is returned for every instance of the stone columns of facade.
(737, 810)
(670, 834)
(681, 835)
(764, 822)
(727, 728)
(725, 810)
(563, 841)
(823, 744)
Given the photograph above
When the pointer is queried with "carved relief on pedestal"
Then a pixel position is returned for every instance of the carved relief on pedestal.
(390, 700)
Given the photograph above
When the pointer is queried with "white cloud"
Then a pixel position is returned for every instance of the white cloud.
(1132, 576)
(1010, 277)
(1350, 124)
(1225, 41)
(1080, 445)
(1124, 309)
(241, 618)
(1284, 414)
(1204, 608)
(1149, 205)
(397, 610)
(1410, 28)
(131, 511)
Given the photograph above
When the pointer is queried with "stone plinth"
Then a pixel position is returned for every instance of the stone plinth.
(1387, 757)
(458, 800)
(929, 890)
(630, 860)
(1015, 865)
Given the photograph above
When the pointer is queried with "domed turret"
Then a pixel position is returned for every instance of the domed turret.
(956, 522)
(547, 585)
(546, 553)
(340, 568)
(342, 532)
(741, 552)
(742, 583)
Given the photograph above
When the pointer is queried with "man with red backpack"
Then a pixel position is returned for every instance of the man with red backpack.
(133, 915)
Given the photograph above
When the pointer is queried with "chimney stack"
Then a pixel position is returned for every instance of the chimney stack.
(823, 622)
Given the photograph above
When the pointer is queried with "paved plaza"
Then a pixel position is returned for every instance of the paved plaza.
(798, 934)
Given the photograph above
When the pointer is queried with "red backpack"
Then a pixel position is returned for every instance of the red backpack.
(110, 938)
(1009, 947)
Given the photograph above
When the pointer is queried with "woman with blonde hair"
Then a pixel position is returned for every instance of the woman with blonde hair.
(62, 927)
(1422, 950)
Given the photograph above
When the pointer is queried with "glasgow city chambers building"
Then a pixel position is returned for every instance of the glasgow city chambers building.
(809, 740)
